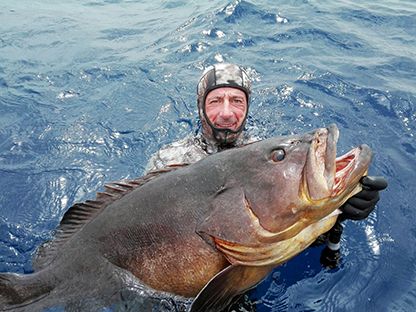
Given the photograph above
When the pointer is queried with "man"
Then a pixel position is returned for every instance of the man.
(223, 95)
(225, 89)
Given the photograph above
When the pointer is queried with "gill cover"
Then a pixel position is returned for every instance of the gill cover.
(217, 76)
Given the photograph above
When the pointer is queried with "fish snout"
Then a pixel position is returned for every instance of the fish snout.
(319, 173)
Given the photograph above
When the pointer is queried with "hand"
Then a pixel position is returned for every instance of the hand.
(362, 204)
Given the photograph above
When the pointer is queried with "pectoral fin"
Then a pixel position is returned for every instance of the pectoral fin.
(223, 287)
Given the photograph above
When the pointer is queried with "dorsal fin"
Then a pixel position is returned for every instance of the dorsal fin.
(81, 213)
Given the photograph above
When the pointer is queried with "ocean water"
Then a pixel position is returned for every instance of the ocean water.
(90, 89)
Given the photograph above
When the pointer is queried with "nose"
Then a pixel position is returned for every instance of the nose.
(226, 112)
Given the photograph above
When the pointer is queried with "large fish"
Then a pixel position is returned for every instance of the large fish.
(210, 230)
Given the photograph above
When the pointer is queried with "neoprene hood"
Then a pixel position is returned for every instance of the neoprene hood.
(217, 76)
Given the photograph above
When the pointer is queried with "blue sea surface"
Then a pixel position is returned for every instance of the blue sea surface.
(90, 89)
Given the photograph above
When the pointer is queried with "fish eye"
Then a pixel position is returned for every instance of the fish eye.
(278, 155)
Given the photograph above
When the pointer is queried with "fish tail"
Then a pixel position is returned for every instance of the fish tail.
(17, 290)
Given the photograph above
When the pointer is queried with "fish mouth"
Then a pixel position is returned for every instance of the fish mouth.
(344, 169)
(327, 183)
(328, 176)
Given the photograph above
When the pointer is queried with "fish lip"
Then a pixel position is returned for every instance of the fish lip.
(320, 165)
(347, 169)
(350, 168)
(328, 176)
(330, 155)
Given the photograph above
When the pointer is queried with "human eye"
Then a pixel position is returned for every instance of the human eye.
(238, 101)
(212, 101)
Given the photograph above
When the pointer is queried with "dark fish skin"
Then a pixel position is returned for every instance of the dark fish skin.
(167, 235)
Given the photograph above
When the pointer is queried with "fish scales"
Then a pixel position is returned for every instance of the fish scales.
(210, 230)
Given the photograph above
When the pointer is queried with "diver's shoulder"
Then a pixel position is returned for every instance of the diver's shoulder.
(247, 138)
(186, 142)
(187, 150)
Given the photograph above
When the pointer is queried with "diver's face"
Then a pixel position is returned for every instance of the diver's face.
(226, 107)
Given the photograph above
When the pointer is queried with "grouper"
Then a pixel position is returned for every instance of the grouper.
(209, 231)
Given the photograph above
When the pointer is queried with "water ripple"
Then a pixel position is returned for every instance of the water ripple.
(90, 89)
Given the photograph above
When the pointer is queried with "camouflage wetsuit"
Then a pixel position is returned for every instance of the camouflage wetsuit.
(189, 150)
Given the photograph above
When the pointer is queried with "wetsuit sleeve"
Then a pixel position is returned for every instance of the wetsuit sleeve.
(154, 163)
(184, 151)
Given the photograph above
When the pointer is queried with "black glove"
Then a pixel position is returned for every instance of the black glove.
(362, 204)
